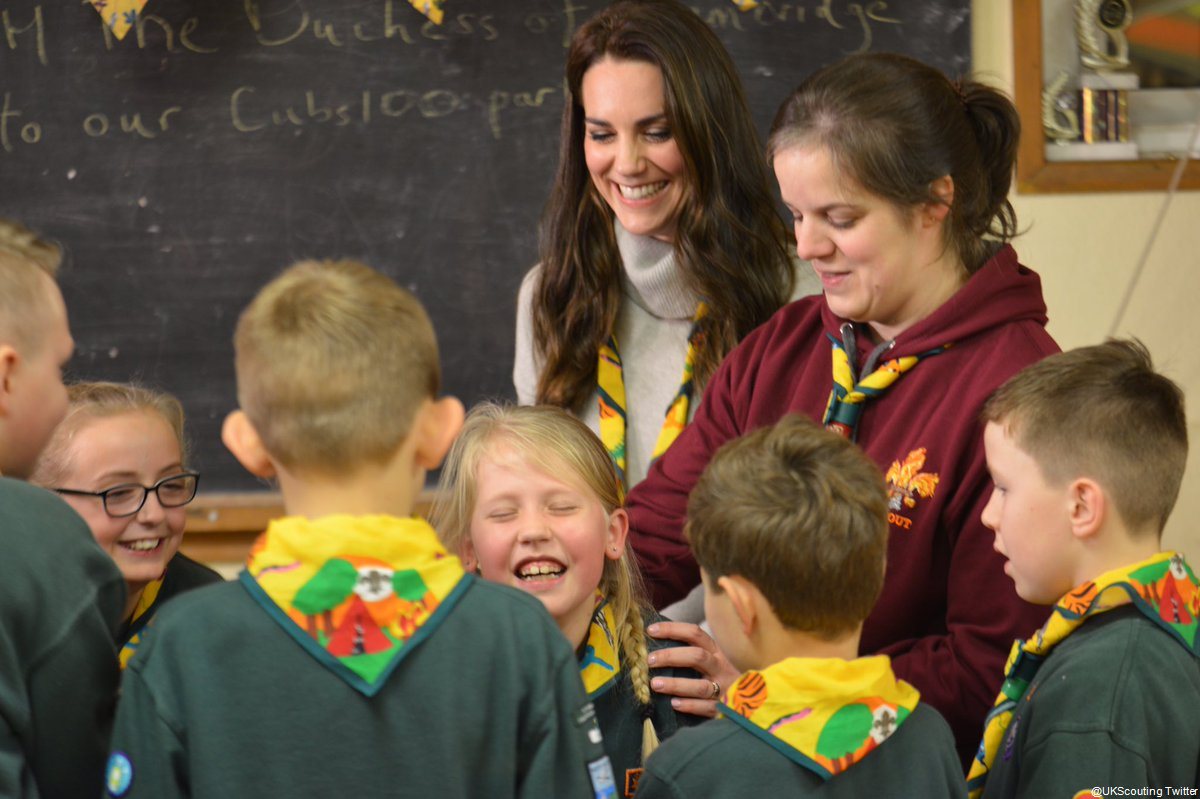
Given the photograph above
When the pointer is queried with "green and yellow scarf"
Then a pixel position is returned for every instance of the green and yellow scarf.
(600, 663)
(610, 382)
(137, 622)
(824, 714)
(358, 592)
(1163, 588)
(849, 394)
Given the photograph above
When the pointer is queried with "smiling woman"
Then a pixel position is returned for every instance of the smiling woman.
(118, 460)
(660, 246)
(897, 180)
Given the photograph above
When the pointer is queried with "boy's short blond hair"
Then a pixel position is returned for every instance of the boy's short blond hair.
(1104, 413)
(801, 513)
(24, 259)
(333, 360)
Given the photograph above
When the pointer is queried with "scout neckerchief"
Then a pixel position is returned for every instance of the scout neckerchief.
(849, 393)
(610, 381)
(825, 714)
(133, 634)
(357, 592)
(600, 664)
(1163, 588)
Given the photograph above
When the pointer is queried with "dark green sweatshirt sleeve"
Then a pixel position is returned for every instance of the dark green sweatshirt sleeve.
(565, 756)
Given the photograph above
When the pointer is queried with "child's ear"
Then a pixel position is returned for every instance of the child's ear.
(436, 426)
(10, 359)
(241, 439)
(618, 531)
(1088, 507)
(469, 561)
(741, 598)
(943, 189)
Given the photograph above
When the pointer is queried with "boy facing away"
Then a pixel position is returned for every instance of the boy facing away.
(60, 595)
(1087, 451)
(354, 657)
(789, 526)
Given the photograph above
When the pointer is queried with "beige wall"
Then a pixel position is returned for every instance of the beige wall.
(1086, 248)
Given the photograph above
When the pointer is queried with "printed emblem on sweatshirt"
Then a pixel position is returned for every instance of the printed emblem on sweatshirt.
(632, 777)
(118, 774)
(906, 482)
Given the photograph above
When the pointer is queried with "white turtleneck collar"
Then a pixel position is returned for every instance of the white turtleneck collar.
(652, 278)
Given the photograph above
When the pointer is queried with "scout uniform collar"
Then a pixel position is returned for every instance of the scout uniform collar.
(139, 619)
(599, 661)
(825, 714)
(357, 592)
(1163, 588)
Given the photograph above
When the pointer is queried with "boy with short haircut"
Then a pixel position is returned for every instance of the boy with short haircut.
(61, 597)
(789, 526)
(354, 657)
(1087, 451)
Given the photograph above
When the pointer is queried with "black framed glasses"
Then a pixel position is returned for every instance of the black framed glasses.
(128, 498)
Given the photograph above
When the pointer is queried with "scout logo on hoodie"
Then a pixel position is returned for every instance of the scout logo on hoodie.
(906, 482)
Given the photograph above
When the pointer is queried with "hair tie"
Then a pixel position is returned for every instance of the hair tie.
(960, 91)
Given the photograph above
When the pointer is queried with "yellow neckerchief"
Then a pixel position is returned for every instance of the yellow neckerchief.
(358, 592)
(600, 663)
(849, 394)
(610, 382)
(138, 620)
(825, 714)
(1163, 588)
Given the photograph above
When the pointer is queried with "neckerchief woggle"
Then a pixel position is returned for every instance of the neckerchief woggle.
(824, 714)
(1163, 588)
(600, 663)
(610, 382)
(139, 619)
(849, 394)
(357, 592)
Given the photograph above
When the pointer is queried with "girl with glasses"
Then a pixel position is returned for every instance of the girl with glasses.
(118, 460)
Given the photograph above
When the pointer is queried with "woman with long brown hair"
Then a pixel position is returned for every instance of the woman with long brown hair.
(660, 245)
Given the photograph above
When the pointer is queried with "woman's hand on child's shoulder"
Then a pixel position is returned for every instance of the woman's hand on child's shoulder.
(696, 696)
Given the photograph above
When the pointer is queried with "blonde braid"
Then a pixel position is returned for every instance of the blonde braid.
(633, 652)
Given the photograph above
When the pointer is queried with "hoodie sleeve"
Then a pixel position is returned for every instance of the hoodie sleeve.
(658, 505)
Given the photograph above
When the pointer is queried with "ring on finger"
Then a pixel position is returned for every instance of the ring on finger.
(716, 690)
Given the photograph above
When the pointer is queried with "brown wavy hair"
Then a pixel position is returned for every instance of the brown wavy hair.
(730, 241)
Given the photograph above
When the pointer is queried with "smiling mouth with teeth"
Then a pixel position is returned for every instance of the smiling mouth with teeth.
(144, 545)
(540, 570)
(641, 192)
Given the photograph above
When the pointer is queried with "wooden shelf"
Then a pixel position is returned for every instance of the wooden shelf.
(1036, 175)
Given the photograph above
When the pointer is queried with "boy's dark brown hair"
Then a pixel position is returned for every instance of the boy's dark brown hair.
(801, 513)
(1101, 412)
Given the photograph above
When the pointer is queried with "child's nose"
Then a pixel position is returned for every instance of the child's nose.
(152, 510)
(535, 529)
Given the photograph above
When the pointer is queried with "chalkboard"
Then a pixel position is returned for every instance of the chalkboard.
(187, 163)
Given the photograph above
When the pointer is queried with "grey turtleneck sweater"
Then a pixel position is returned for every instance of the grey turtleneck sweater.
(652, 328)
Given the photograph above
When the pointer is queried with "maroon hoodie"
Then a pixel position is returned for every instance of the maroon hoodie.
(948, 614)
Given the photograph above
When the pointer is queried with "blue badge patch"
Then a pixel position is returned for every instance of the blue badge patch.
(604, 784)
(118, 774)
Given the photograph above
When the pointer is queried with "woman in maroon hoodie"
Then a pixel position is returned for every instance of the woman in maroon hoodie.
(897, 180)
